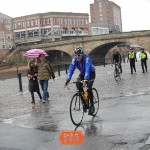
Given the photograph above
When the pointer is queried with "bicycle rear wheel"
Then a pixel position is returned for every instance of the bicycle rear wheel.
(95, 101)
(116, 74)
(76, 109)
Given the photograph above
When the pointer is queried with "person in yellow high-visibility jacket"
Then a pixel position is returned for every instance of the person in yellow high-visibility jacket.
(143, 56)
(132, 58)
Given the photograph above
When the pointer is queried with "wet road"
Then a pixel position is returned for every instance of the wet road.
(122, 123)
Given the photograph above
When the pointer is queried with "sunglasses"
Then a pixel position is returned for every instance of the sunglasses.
(79, 55)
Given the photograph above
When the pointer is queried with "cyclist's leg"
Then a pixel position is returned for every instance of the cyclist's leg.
(90, 84)
(120, 67)
(78, 84)
(116, 69)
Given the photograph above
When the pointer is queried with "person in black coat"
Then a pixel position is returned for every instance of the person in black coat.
(33, 81)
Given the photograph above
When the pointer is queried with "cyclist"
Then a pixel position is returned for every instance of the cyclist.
(84, 64)
(116, 58)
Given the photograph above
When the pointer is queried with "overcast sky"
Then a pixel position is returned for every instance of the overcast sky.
(135, 13)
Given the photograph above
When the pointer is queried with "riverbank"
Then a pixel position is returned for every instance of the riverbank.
(12, 69)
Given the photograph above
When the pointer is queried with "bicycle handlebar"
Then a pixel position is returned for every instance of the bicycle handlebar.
(74, 82)
(81, 81)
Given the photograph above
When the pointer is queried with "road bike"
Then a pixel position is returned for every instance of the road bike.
(80, 104)
(117, 72)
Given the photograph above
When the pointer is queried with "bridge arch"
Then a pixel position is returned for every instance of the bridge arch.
(56, 56)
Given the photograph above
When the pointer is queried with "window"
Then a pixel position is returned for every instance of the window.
(1, 20)
(56, 21)
(3, 46)
(9, 46)
(79, 21)
(65, 21)
(56, 31)
(9, 38)
(23, 24)
(20, 35)
(46, 31)
(3, 40)
(28, 23)
(86, 21)
(14, 26)
(44, 21)
(74, 21)
(71, 21)
(32, 22)
(8, 27)
(48, 20)
(36, 22)
(33, 33)
(2, 33)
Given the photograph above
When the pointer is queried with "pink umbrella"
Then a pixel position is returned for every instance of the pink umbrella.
(34, 53)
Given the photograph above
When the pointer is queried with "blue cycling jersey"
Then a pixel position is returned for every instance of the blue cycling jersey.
(85, 67)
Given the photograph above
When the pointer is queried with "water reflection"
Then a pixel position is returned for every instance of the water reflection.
(91, 130)
(40, 107)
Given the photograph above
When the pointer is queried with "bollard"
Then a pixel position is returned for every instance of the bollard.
(124, 59)
(66, 67)
(58, 70)
(104, 62)
(20, 82)
(17, 70)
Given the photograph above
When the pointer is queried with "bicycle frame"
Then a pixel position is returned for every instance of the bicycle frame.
(117, 71)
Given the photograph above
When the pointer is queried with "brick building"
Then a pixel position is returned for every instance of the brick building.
(106, 13)
(50, 26)
(6, 36)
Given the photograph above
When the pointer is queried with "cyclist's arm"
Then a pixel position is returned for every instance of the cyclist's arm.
(112, 59)
(120, 58)
(71, 69)
(88, 67)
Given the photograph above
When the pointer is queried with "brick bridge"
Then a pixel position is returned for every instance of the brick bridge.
(95, 46)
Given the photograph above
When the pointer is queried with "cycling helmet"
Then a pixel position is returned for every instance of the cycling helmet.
(78, 50)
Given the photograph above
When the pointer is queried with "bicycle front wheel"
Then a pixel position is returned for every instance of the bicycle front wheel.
(116, 74)
(95, 101)
(76, 109)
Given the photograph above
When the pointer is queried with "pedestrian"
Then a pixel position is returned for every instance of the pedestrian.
(84, 64)
(143, 56)
(132, 58)
(45, 72)
(116, 58)
(33, 81)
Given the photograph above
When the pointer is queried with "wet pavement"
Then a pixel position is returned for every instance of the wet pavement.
(122, 123)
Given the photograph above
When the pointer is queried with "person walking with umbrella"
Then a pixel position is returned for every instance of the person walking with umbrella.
(132, 58)
(33, 81)
(45, 72)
